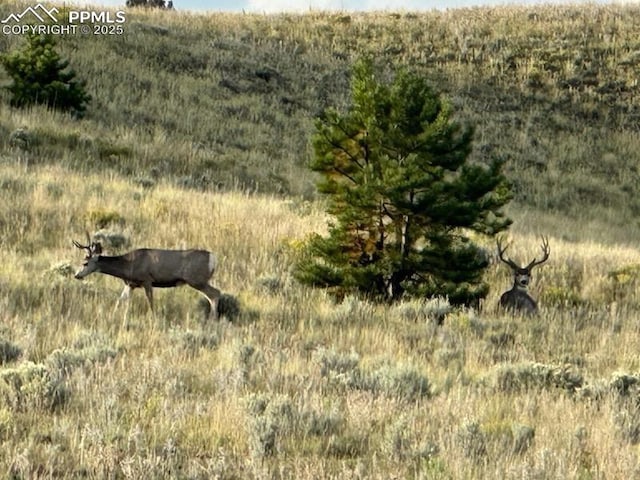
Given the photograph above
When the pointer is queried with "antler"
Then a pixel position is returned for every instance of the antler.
(501, 251)
(89, 247)
(545, 251)
(79, 245)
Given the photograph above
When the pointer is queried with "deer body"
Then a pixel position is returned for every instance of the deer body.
(518, 299)
(149, 268)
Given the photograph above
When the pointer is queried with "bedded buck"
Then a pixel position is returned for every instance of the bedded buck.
(518, 299)
(149, 268)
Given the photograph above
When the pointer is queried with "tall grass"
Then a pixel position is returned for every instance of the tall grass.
(296, 385)
(195, 118)
(220, 102)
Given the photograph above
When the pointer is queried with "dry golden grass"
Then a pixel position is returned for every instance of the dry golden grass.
(550, 88)
(297, 386)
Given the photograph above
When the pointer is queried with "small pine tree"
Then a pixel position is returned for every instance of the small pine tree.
(403, 196)
(40, 76)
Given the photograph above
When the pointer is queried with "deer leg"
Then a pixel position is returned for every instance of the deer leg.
(148, 289)
(126, 291)
(123, 296)
(213, 295)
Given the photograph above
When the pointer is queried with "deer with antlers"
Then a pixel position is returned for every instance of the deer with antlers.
(149, 268)
(518, 299)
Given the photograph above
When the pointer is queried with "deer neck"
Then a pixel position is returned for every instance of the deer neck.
(114, 266)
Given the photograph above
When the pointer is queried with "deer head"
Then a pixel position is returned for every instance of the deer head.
(90, 265)
(522, 275)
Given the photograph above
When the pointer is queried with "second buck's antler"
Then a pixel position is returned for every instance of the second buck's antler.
(545, 253)
(535, 262)
(501, 251)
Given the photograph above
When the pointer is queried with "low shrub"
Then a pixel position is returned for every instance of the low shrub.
(272, 416)
(33, 386)
(112, 240)
(101, 218)
(391, 380)
(472, 441)
(532, 375)
(434, 309)
(192, 341)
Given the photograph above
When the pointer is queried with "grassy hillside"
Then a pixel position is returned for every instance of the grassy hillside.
(227, 101)
(198, 136)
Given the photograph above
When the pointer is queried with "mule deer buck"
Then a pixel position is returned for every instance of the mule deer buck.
(149, 268)
(518, 299)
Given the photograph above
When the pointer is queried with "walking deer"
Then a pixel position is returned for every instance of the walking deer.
(518, 299)
(149, 268)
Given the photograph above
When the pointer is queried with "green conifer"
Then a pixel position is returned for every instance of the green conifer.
(403, 194)
(40, 76)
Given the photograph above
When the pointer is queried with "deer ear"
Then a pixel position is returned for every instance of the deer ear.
(97, 248)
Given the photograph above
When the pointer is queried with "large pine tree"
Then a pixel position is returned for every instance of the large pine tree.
(403, 194)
